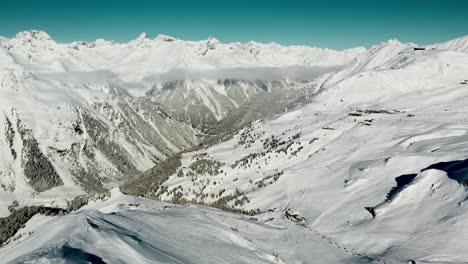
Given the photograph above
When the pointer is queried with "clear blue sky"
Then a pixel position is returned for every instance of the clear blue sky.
(335, 23)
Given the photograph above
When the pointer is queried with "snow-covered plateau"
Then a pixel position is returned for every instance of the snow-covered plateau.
(203, 152)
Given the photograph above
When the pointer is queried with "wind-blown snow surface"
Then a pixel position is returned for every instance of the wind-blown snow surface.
(394, 111)
(458, 44)
(126, 229)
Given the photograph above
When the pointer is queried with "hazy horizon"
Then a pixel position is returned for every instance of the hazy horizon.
(333, 24)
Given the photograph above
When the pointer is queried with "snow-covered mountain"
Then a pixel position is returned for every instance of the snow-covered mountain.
(372, 169)
(144, 57)
(145, 231)
(458, 44)
(207, 103)
(63, 139)
(166, 67)
(376, 163)
(81, 117)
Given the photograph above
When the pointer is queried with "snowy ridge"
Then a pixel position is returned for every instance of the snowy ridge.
(376, 57)
(95, 113)
(147, 231)
(458, 44)
(144, 56)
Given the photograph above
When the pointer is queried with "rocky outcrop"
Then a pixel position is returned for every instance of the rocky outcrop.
(294, 217)
(9, 136)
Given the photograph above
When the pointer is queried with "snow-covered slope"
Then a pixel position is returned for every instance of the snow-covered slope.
(458, 44)
(83, 116)
(370, 138)
(372, 170)
(145, 231)
(60, 139)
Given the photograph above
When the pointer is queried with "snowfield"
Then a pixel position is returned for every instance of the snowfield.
(372, 170)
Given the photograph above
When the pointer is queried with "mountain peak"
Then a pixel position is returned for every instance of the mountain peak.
(392, 41)
(143, 35)
(166, 38)
(212, 42)
(459, 44)
(141, 40)
(36, 35)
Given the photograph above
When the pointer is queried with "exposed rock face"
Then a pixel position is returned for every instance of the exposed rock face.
(9, 135)
(294, 217)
